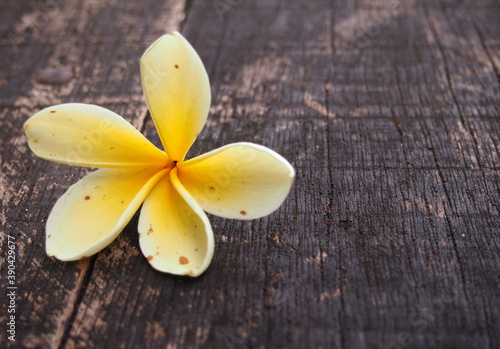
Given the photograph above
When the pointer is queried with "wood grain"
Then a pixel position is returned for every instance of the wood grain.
(389, 112)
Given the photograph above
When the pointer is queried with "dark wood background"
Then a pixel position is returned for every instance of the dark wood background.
(389, 112)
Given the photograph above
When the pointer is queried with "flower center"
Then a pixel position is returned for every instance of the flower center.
(171, 164)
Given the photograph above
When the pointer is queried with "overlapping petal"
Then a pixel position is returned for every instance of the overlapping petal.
(88, 135)
(177, 92)
(241, 180)
(175, 234)
(95, 210)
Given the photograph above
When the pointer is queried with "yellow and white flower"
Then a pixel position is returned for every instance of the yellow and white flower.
(241, 180)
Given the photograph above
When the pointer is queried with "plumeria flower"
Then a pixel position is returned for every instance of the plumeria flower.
(240, 180)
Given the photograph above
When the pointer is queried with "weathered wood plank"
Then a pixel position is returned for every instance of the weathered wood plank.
(387, 110)
(72, 35)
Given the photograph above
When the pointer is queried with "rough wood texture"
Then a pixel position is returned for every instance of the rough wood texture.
(389, 112)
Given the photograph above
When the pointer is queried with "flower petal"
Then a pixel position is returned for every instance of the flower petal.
(174, 232)
(177, 91)
(241, 180)
(94, 211)
(88, 135)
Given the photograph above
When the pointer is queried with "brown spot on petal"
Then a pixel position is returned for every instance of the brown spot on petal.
(52, 111)
(87, 197)
(243, 213)
(150, 229)
(176, 66)
(149, 258)
(183, 261)
(48, 237)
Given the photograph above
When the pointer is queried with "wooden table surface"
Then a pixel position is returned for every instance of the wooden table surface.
(389, 112)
